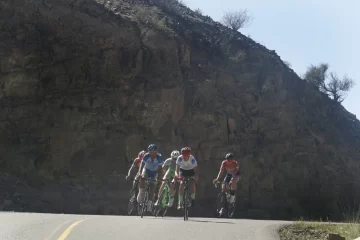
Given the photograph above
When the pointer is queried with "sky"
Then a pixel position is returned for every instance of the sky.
(303, 32)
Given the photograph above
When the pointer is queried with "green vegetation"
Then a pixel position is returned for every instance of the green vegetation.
(150, 18)
(319, 231)
(330, 84)
(237, 19)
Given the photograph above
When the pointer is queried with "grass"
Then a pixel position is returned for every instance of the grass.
(306, 230)
(150, 18)
(319, 231)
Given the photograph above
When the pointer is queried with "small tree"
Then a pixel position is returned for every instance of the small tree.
(317, 75)
(198, 11)
(287, 63)
(335, 87)
(237, 19)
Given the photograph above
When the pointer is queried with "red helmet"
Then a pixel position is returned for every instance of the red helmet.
(185, 151)
(141, 154)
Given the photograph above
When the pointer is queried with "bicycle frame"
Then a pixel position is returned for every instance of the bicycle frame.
(187, 196)
(226, 204)
(144, 201)
(164, 194)
(132, 204)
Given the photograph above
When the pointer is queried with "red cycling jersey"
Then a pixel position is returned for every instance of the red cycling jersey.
(230, 166)
(137, 162)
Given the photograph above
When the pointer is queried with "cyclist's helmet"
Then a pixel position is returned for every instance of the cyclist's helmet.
(175, 154)
(152, 147)
(229, 156)
(141, 154)
(185, 151)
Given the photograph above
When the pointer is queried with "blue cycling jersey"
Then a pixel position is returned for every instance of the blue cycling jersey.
(152, 164)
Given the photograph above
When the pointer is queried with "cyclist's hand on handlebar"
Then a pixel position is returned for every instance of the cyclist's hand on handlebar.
(215, 181)
(127, 177)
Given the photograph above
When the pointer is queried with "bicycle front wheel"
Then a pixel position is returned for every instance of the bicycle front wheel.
(220, 203)
(159, 207)
(231, 209)
(144, 204)
(132, 201)
(187, 203)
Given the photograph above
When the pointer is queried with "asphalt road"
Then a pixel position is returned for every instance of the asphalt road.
(35, 226)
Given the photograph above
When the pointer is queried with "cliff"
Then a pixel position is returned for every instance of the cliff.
(86, 84)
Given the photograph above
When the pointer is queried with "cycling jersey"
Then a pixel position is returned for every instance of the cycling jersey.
(170, 172)
(152, 165)
(191, 163)
(230, 166)
(137, 162)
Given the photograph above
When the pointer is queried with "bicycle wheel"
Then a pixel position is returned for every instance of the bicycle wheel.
(166, 199)
(165, 211)
(187, 202)
(231, 209)
(144, 203)
(132, 201)
(220, 203)
(159, 207)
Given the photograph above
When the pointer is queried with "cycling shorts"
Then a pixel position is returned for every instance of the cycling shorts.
(146, 173)
(228, 177)
(187, 173)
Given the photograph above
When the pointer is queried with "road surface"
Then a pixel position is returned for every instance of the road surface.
(36, 226)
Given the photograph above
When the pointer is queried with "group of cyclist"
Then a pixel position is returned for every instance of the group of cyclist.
(150, 164)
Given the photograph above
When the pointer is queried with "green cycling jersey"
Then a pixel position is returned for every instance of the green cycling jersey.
(170, 165)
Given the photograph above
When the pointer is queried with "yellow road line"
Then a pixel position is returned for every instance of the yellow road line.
(55, 230)
(69, 229)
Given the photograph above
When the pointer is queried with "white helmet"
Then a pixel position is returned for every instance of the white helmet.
(175, 154)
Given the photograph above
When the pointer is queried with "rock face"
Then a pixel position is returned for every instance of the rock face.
(85, 85)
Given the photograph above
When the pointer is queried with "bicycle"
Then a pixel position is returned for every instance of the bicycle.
(133, 204)
(144, 201)
(163, 199)
(223, 203)
(187, 196)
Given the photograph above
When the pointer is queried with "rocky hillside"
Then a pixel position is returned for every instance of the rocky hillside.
(86, 84)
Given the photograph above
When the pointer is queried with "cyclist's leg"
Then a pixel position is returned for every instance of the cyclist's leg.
(234, 182)
(166, 177)
(193, 184)
(153, 176)
(161, 188)
(157, 185)
(225, 183)
(141, 185)
(181, 189)
(171, 190)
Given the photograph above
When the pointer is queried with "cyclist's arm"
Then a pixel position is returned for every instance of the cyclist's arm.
(196, 172)
(165, 166)
(142, 164)
(160, 172)
(220, 171)
(177, 171)
(237, 168)
(132, 168)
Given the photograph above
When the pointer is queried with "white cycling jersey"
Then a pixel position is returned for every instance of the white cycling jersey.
(186, 165)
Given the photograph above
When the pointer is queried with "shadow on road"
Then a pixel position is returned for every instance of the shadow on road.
(190, 220)
(204, 221)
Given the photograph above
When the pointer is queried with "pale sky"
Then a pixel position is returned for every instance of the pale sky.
(303, 32)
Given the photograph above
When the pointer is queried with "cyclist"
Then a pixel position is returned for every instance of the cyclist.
(135, 165)
(151, 166)
(231, 166)
(186, 166)
(169, 167)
